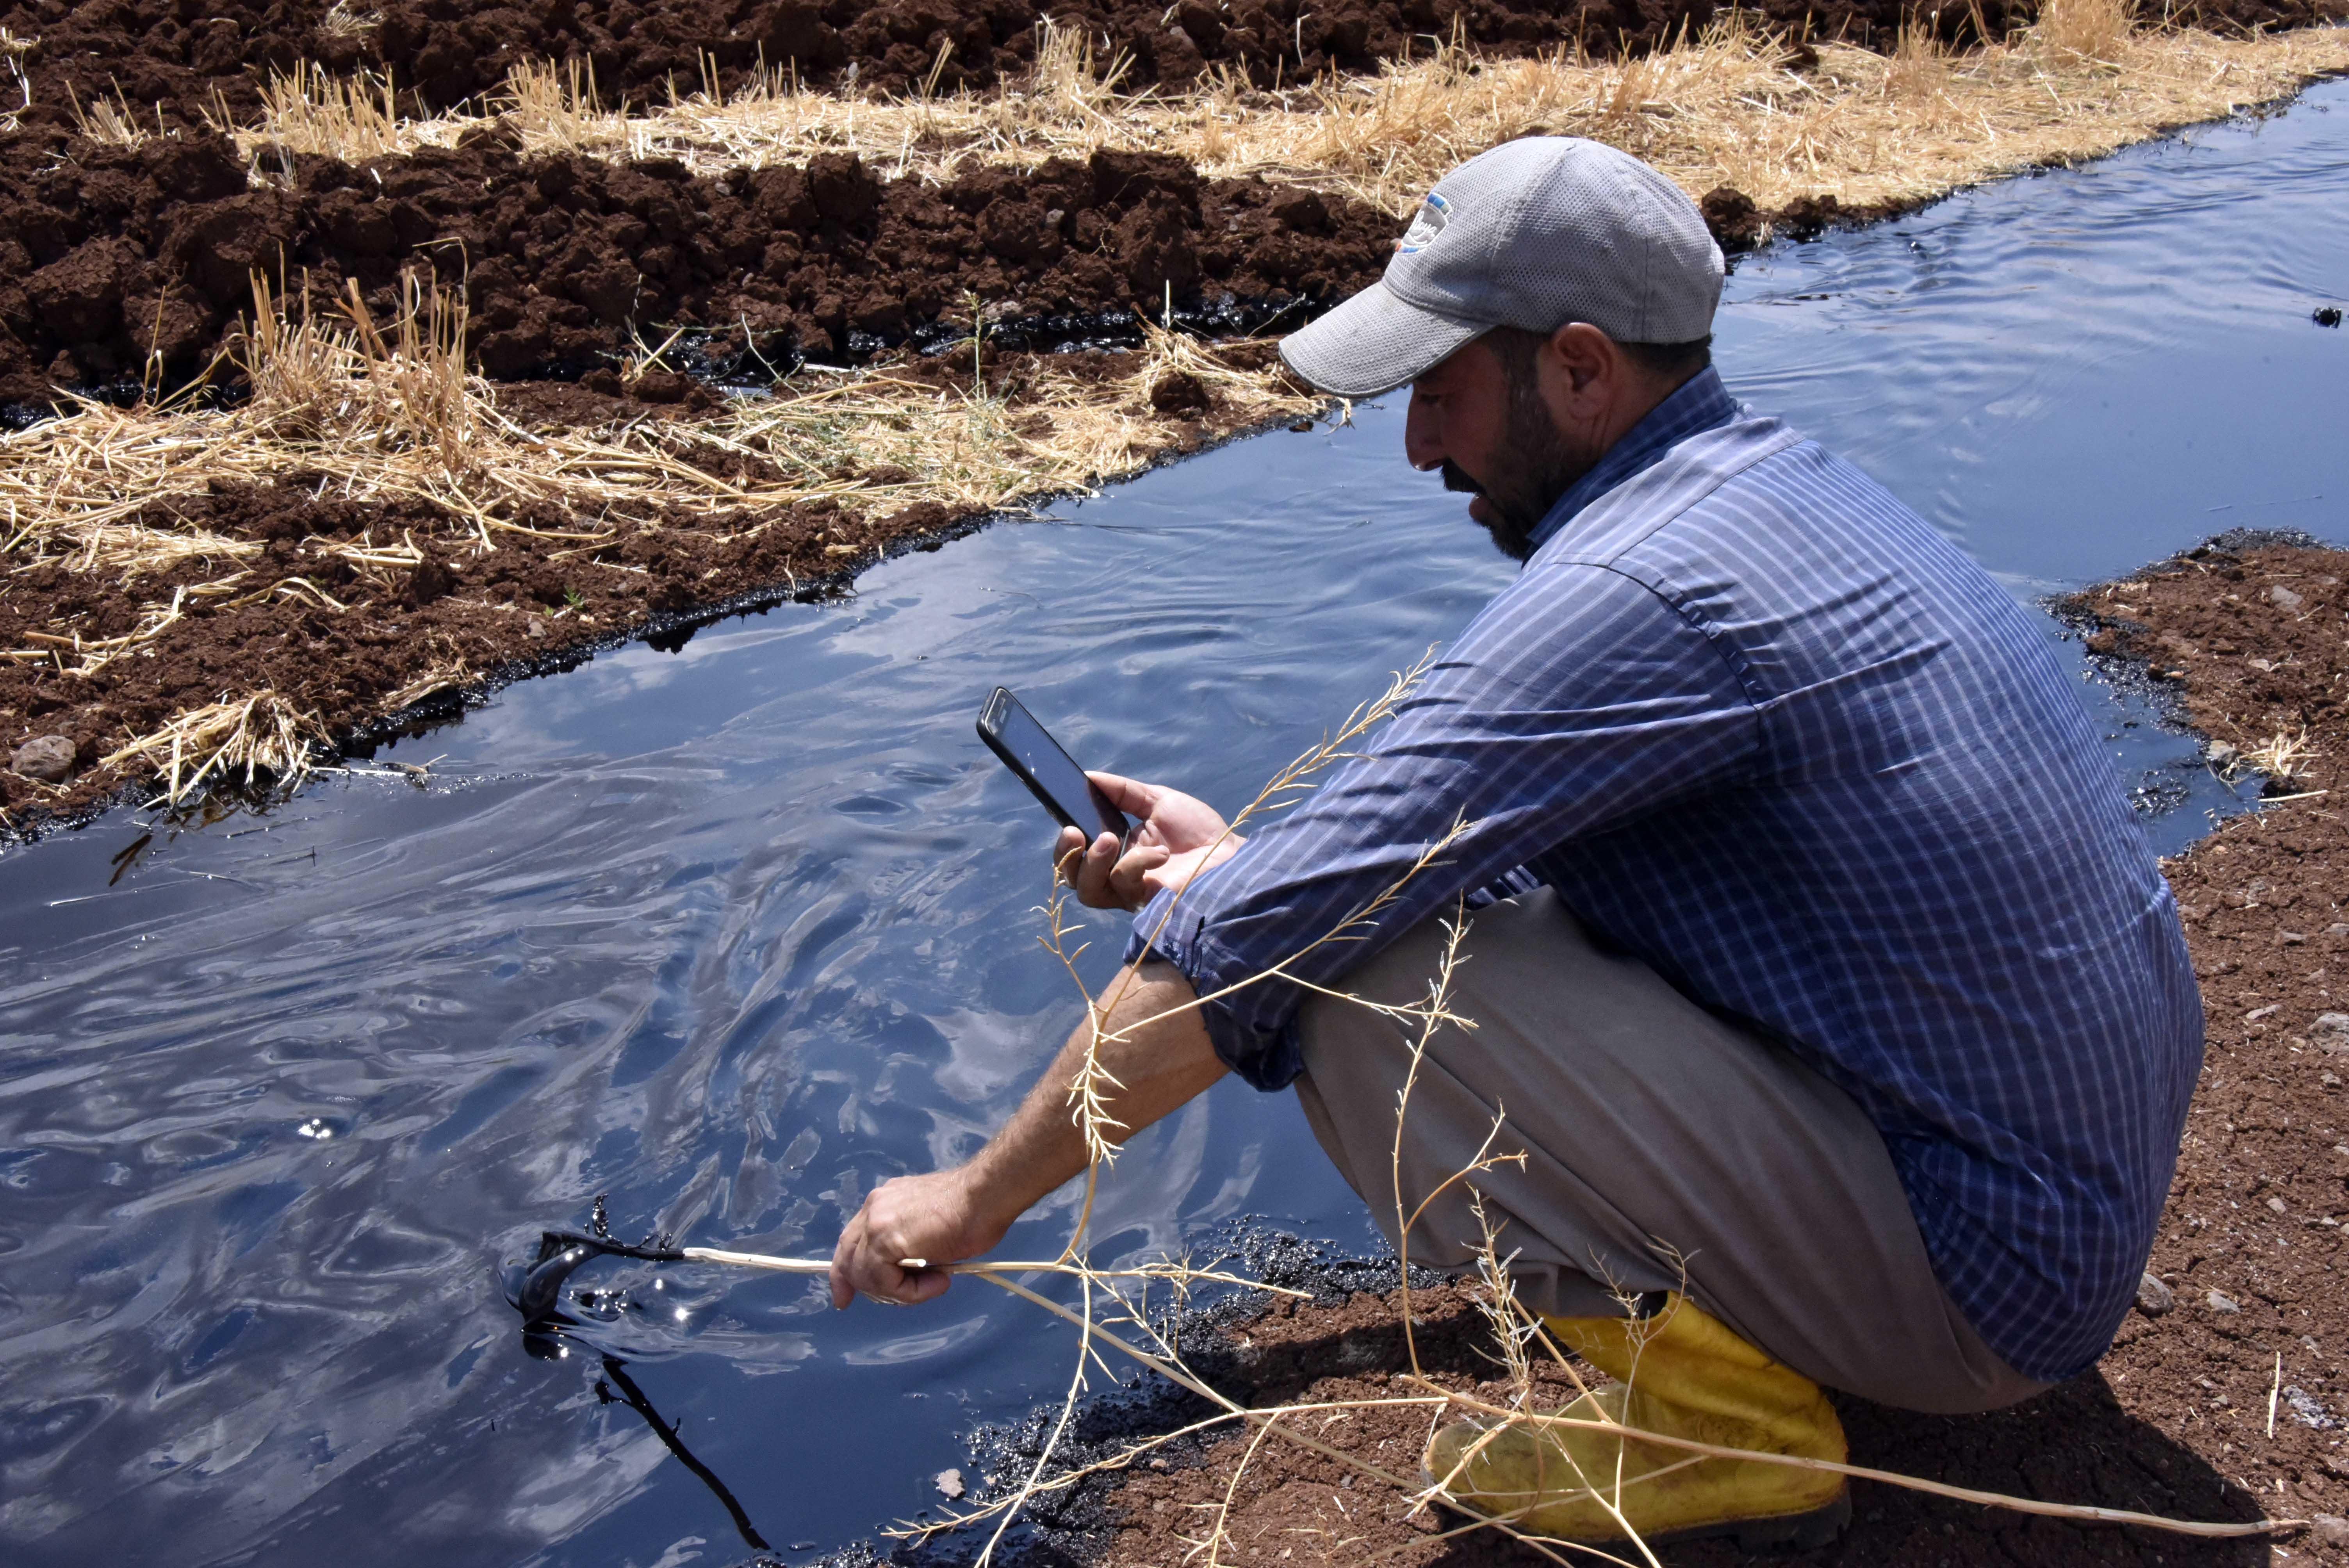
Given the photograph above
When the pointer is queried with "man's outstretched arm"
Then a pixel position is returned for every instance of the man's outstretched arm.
(949, 1215)
(1162, 1060)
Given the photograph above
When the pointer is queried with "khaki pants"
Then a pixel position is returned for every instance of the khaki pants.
(1664, 1149)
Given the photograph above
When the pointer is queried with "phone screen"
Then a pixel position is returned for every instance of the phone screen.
(1054, 777)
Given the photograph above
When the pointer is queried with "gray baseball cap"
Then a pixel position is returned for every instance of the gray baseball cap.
(1536, 234)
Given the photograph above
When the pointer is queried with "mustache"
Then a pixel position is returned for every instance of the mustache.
(1456, 478)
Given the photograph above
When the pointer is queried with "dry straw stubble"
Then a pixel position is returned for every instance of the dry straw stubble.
(377, 412)
(380, 418)
(1733, 104)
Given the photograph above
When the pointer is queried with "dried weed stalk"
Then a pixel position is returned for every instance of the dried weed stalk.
(2280, 756)
(354, 386)
(344, 20)
(555, 108)
(111, 121)
(2086, 32)
(1918, 71)
(13, 50)
(262, 735)
(310, 111)
(1069, 83)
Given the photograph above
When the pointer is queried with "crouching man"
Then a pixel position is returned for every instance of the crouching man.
(1820, 969)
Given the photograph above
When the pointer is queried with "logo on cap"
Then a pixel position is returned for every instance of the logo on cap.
(1433, 214)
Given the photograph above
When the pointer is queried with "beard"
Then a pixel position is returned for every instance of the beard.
(1532, 468)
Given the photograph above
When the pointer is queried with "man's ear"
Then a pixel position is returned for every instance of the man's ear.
(1583, 363)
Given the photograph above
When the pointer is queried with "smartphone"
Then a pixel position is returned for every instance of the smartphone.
(1012, 733)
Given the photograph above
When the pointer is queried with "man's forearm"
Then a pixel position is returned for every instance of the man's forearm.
(1157, 1053)
(1156, 1056)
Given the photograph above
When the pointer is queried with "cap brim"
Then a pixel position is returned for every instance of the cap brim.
(1374, 343)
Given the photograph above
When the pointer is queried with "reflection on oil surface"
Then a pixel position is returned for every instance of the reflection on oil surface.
(734, 932)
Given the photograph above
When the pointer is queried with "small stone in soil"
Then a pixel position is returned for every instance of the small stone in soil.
(2283, 598)
(2153, 1298)
(2218, 1303)
(2330, 1528)
(949, 1483)
(48, 758)
(2307, 1408)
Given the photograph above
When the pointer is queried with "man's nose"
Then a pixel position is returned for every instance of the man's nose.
(1422, 436)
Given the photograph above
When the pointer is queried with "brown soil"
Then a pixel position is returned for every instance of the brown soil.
(171, 57)
(535, 602)
(116, 253)
(2175, 1420)
(485, 612)
(2078, 1443)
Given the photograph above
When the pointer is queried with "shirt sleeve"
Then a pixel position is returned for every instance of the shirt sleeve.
(1575, 701)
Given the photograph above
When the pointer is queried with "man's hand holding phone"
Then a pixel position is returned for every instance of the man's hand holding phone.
(1121, 840)
(1178, 837)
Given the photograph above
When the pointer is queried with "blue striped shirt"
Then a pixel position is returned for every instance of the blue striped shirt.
(1761, 725)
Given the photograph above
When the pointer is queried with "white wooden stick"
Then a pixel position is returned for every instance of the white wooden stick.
(823, 1266)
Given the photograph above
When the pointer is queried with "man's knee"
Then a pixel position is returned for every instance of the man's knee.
(1519, 937)
(1339, 1029)
(1356, 1058)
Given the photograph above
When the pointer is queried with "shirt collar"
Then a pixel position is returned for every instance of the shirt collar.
(1702, 402)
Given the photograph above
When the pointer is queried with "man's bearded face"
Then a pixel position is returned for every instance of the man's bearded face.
(1531, 466)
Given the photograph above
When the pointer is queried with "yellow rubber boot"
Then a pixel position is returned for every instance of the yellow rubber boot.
(1683, 1373)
